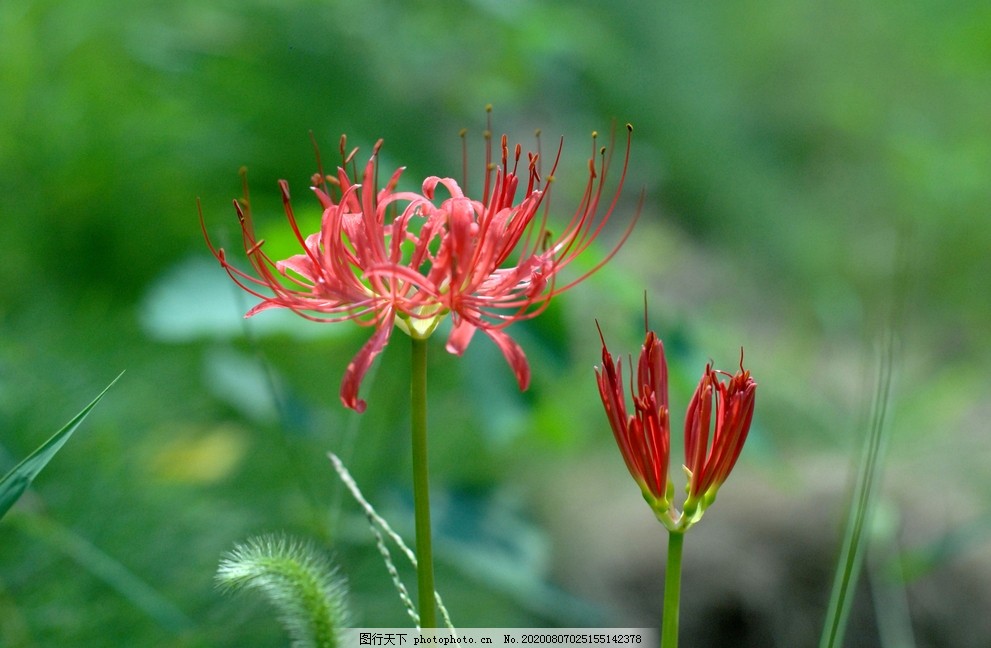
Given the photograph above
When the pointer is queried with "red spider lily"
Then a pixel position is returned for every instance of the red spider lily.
(644, 438)
(709, 464)
(385, 258)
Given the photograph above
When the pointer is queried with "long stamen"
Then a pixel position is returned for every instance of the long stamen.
(464, 158)
(320, 178)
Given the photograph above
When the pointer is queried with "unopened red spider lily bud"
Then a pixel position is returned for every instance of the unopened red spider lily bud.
(723, 407)
(716, 427)
(643, 437)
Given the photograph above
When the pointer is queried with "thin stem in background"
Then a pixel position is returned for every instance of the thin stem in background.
(104, 567)
(672, 591)
(891, 607)
(421, 485)
(861, 509)
(381, 530)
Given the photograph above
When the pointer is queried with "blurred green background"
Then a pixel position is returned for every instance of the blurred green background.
(809, 169)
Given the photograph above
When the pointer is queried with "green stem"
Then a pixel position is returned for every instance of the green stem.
(421, 486)
(672, 591)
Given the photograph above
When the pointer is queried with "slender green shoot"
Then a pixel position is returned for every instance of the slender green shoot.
(861, 507)
(891, 606)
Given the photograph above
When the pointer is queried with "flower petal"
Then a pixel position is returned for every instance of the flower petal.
(462, 332)
(359, 365)
(514, 355)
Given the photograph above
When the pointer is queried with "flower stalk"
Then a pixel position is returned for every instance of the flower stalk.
(672, 591)
(421, 485)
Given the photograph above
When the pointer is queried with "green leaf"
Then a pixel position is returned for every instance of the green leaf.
(14, 483)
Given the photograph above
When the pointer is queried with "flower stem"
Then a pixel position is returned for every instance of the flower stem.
(672, 591)
(421, 486)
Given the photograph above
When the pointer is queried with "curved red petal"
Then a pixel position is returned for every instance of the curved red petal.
(514, 355)
(360, 364)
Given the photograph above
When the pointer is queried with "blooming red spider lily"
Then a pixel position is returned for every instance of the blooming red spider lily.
(723, 408)
(385, 257)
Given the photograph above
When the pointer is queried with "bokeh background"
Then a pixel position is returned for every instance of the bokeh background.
(816, 178)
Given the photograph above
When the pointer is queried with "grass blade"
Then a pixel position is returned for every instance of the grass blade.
(106, 568)
(14, 483)
(861, 507)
